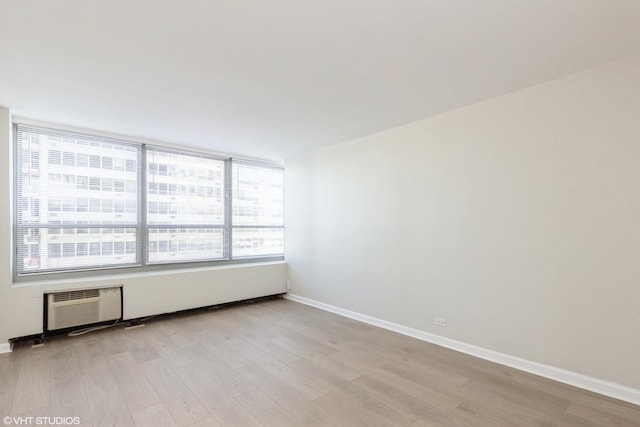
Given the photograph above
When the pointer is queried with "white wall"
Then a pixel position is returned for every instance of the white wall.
(21, 306)
(517, 219)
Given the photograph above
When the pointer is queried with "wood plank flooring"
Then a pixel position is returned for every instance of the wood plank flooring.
(280, 363)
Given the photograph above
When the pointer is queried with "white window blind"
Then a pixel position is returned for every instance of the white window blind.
(257, 210)
(185, 207)
(77, 201)
(88, 203)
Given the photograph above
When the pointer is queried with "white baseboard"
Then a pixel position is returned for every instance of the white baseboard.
(575, 379)
(5, 348)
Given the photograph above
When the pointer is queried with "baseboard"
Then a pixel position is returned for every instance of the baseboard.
(617, 391)
(5, 347)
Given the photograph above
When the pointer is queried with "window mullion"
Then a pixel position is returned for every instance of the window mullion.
(143, 238)
(228, 201)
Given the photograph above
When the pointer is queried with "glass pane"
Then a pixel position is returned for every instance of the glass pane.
(70, 180)
(184, 189)
(74, 172)
(43, 249)
(249, 242)
(258, 195)
(185, 244)
(258, 199)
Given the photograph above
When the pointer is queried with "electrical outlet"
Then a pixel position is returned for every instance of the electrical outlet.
(440, 321)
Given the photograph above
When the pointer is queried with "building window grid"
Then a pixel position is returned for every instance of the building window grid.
(147, 241)
(185, 198)
(257, 214)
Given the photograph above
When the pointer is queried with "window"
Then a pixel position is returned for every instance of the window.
(79, 205)
(200, 212)
(258, 213)
(66, 197)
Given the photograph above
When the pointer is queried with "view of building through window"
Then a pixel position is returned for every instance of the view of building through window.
(185, 207)
(79, 205)
(257, 210)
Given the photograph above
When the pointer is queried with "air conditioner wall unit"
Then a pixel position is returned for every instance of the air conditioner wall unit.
(82, 307)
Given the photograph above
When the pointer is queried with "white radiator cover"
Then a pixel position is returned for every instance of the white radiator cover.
(82, 307)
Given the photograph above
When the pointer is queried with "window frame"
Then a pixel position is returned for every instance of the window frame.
(142, 264)
(148, 227)
(245, 226)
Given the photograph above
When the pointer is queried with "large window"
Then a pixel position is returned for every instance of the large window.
(77, 201)
(85, 203)
(258, 214)
(185, 207)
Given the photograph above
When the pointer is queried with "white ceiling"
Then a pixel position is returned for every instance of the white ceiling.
(276, 78)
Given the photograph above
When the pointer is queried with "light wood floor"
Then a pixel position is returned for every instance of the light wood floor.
(279, 363)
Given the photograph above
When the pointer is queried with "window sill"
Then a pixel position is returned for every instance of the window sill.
(93, 278)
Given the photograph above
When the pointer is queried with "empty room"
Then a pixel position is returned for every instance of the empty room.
(320, 213)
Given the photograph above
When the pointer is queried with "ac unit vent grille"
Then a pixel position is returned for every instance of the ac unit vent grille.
(83, 307)
(76, 295)
(77, 314)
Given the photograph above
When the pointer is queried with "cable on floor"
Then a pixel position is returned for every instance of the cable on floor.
(94, 328)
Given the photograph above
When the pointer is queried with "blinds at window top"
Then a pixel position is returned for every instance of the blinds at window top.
(77, 201)
(257, 210)
(184, 188)
(185, 207)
